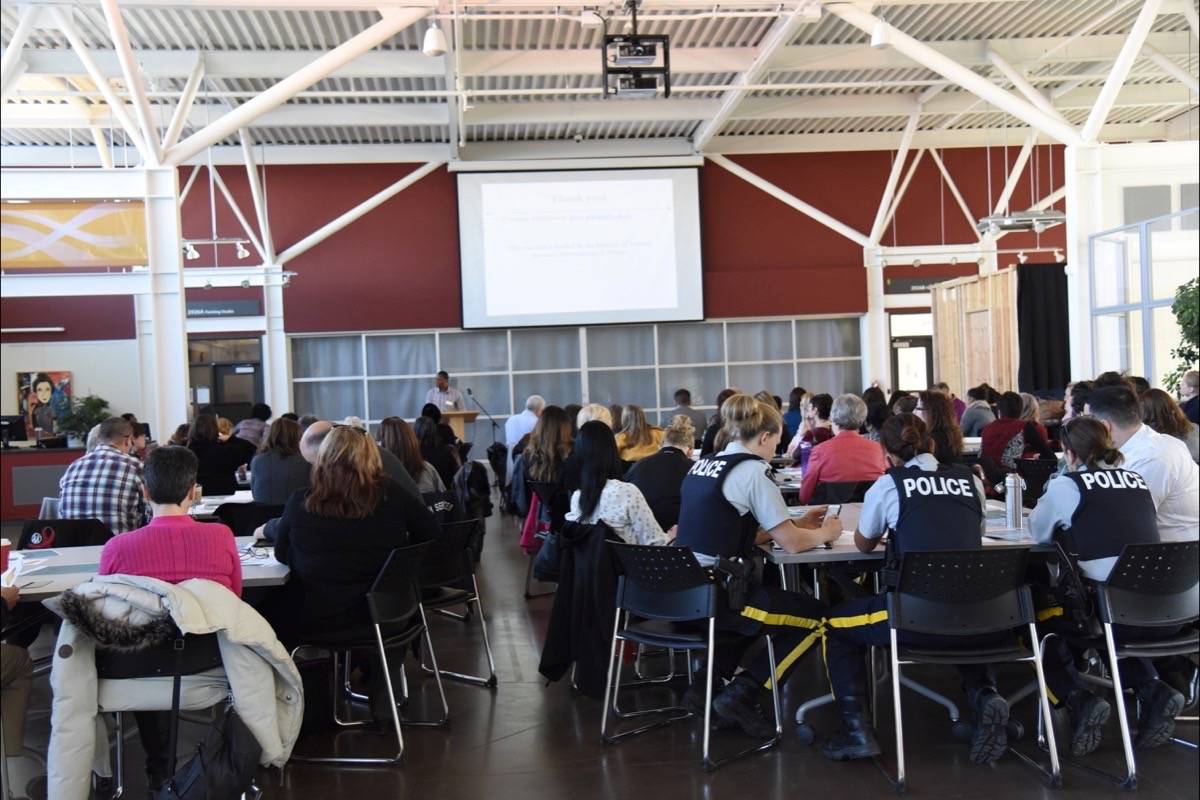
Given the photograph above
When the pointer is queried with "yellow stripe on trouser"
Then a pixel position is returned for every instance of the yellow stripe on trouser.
(781, 620)
(1049, 613)
(858, 620)
(782, 667)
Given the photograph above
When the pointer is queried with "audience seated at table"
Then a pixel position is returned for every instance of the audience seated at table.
(1075, 398)
(278, 469)
(603, 496)
(847, 456)
(593, 411)
(1163, 461)
(660, 477)
(442, 456)
(945, 437)
(548, 459)
(518, 425)
(173, 548)
(137, 446)
(224, 429)
(180, 437)
(336, 535)
(397, 437)
(1006, 440)
(683, 405)
(638, 438)
(16, 681)
(106, 484)
(1189, 396)
(901, 403)
(793, 418)
(877, 413)
(254, 428)
(815, 428)
(445, 433)
(978, 413)
(219, 460)
(1163, 414)
(1031, 411)
(959, 405)
(709, 440)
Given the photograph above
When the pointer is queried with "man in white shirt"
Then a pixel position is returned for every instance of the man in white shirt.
(444, 396)
(516, 426)
(1163, 461)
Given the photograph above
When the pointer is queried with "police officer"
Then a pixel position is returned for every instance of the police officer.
(729, 504)
(1095, 508)
(925, 508)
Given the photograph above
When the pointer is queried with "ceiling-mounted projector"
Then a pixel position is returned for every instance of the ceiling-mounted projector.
(1031, 220)
(636, 66)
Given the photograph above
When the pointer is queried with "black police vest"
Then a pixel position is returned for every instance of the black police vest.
(938, 510)
(1115, 509)
(708, 523)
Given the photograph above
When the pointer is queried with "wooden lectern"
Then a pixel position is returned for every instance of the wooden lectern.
(457, 421)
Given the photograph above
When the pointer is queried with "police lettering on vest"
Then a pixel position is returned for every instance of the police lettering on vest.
(1113, 479)
(937, 484)
(708, 467)
(708, 523)
(1115, 508)
(938, 510)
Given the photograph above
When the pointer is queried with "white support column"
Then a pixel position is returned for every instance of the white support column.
(179, 118)
(779, 194)
(161, 321)
(260, 200)
(889, 189)
(958, 198)
(106, 160)
(952, 71)
(877, 344)
(371, 203)
(394, 21)
(1120, 70)
(1018, 79)
(11, 65)
(1017, 168)
(187, 185)
(1171, 68)
(277, 362)
(132, 73)
(1085, 216)
(1189, 13)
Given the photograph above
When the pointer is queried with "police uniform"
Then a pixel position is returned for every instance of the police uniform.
(726, 498)
(925, 508)
(1095, 513)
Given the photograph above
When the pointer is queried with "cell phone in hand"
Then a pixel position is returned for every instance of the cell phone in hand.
(834, 510)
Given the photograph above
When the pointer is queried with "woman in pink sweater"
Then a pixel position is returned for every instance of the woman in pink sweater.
(172, 548)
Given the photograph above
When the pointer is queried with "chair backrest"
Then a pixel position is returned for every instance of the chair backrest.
(665, 583)
(49, 509)
(961, 592)
(1036, 472)
(394, 598)
(840, 492)
(545, 491)
(245, 518)
(447, 560)
(42, 534)
(1152, 584)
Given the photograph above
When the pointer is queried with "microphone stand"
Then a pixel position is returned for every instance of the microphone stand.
(479, 405)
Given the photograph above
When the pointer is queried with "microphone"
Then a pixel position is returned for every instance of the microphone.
(469, 392)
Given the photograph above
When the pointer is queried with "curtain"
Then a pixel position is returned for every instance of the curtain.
(1042, 328)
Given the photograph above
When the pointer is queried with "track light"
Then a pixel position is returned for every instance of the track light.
(916, 263)
(208, 284)
(1058, 255)
(245, 283)
(241, 251)
(435, 41)
(1022, 257)
(881, 35)
(954, 261)
(1039, 226)
(190, 252)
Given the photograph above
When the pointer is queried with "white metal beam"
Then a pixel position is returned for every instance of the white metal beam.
(258, 196)
(247, 228)
(76, 285)
(1018, 79)
(392, 23)
(956, 73)
(779, 35)
(810, 211)
(885, 202)
(1120, 69)
(1051, 199)
(1171, 68)
(133, 80)
(895, 204)
(373, 202)
(1015, 174)
(102, 150)
(954, 192)
(187, 185)
(184, 105)
(12, 66)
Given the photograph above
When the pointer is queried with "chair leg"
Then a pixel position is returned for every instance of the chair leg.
(487, 644)
(1044, 701)
(119, 767)
(529, 593)
(776, 689)
(708, 687)
(1130, 781)
(387, 679)
(608, 683)
(899, 717)
(437, 677)
(489, 681)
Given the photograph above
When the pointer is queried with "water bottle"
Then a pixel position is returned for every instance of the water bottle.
(1013, 488)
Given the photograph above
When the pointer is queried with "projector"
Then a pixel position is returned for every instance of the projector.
(633, 86)
(635, 54)
(1031, 220)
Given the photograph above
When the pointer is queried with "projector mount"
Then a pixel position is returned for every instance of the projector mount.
(635, 65)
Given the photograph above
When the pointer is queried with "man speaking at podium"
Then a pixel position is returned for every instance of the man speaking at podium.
(443, 396)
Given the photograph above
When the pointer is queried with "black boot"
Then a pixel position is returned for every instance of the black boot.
(1088, 714)
(857, 740)
(738, 703)
(693, 700)
(1158, 705)
(990, 740)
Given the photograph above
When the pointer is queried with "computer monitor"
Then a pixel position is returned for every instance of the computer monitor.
(12, 428)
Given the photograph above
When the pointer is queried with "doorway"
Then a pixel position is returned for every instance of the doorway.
(912, 351)
(225, 376)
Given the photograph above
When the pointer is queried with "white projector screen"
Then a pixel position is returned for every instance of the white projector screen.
(578, 248)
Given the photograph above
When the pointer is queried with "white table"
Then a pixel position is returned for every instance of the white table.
(208, 505)
(71, 566)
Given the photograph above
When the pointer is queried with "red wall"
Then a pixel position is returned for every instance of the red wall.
(397, 267)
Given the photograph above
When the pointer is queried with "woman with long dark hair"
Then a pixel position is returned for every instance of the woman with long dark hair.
(602, 495)
(1163, 414)
(442, 456)
(278, 469)
(397, 437)
(946, 438)
(218, 459)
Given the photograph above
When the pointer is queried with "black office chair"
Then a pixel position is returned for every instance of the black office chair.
(245, 518)
(546, 493)
(965, 593)
(1150, 586)
(840, 492)
(663, 589)
(448, 580)
(43, 534)
(1036, 473)
(397, 620)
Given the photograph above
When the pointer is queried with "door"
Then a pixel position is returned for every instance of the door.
(236, 388)
(912, 362)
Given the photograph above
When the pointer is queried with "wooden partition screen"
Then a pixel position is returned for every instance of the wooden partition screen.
(975, 331)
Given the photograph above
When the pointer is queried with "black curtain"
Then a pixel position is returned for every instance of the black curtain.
(1043, 335)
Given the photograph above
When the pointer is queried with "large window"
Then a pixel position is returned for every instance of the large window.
(375, 375)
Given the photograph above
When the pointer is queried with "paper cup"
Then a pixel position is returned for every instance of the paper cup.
(198, 493)
(5, 546)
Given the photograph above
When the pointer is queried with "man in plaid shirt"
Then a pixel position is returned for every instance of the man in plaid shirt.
(106, 484)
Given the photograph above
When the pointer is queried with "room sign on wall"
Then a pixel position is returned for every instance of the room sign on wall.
(209, 309)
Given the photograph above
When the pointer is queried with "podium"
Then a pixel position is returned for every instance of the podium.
(457, 420)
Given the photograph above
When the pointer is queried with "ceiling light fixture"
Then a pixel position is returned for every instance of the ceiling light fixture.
(1058, 255)
(190, 252)
(1031, 220)
(916, 263)
(435, 41)
(881, 35)
(1022, 257)
(241, 251)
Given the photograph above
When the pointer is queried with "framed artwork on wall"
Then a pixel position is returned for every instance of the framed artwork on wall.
(43, 397)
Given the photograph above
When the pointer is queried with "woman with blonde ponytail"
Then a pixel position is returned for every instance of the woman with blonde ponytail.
(729, 504)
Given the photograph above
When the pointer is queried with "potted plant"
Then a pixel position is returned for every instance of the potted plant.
(1186, 309)
(83, 414)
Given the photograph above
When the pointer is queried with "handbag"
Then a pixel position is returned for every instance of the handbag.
(225, 763)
